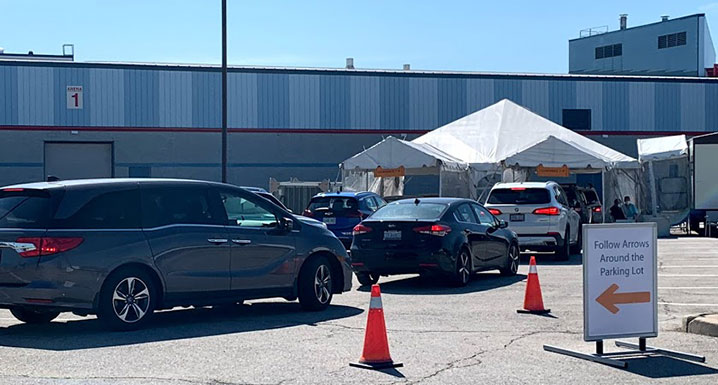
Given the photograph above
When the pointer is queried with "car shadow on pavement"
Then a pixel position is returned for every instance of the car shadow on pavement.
(425, 286)
(170, 325)
(549, 259)
(666, 367)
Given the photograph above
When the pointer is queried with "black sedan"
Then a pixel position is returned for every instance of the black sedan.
(452, 236)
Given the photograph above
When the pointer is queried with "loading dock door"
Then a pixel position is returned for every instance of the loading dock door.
(78, 160)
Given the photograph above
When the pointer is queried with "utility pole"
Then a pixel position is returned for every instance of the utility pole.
(224, 91)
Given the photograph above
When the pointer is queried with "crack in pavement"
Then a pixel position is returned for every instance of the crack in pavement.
(456, 363)
(407, 330)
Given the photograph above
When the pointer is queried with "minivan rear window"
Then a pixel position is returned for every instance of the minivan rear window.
(335, 204)
(519, 196)
(411, 211)
(24, 209)
(85, 209)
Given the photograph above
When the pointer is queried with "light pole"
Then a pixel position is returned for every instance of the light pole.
(224, 91)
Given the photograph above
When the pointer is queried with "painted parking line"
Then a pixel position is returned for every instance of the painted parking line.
(687, 275)
(688, 304)
(688, 266)
(689, 288)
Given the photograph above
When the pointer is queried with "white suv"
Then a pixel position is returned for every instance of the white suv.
(540, 214)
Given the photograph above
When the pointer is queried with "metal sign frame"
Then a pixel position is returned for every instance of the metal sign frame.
(634, 350)
(586, 261)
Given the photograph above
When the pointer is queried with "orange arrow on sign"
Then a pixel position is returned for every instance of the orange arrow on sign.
(609, 298)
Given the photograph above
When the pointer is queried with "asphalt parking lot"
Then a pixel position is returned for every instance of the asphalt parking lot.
(442, 335)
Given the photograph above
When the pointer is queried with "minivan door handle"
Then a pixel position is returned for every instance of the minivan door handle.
(241, 241)
(217, 241)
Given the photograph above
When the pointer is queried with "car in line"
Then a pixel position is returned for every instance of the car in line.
(451, 237)
(122, 248)
(341, 211)
(540, 214)
(584, 200)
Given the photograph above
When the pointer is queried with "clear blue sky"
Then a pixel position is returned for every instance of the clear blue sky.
(512, 36)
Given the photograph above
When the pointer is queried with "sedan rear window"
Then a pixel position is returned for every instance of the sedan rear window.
(24, 210)
(519, 196)
(411, 211)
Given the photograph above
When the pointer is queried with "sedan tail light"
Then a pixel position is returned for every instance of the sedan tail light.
(547, 211)
(361, 229)
(438, 230)
(47, 246)
(495, 211)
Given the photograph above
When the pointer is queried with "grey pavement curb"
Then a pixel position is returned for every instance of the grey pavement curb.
(705, 324)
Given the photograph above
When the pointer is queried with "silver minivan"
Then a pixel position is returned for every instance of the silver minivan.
(540, 214)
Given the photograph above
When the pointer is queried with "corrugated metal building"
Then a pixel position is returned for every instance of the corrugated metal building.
(163, 120)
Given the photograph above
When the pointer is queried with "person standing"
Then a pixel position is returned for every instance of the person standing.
(616, 211)
(629, 209)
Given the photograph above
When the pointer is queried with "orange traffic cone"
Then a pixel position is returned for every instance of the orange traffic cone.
(376, 347)
(533, 301)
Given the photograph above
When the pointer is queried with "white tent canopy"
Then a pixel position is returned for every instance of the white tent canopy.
(507, 132)
(394, 153)
(414, 160)
(662, 148)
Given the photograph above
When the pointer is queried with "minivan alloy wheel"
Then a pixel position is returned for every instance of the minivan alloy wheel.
(131, 299)
(323, 284)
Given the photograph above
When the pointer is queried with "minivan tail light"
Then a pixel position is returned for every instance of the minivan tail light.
(438, 230)
(597, 209)
(361, 229)
(47, 245)
(547, 211)
(495, 211)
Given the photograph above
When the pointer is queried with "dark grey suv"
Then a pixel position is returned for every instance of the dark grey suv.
(122, 248)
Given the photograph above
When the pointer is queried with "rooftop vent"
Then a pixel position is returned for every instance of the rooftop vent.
(2, 50)
(623, 19)
(664, 18)
(407, 67)
(350, 63)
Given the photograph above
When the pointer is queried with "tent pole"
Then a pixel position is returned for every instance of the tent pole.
(440, 183)
(654, 195)
(603, 192)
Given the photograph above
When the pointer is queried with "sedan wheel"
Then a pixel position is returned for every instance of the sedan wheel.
(462, 275)
(512, 262)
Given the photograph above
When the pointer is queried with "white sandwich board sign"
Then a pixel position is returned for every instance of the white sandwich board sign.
(619, 281)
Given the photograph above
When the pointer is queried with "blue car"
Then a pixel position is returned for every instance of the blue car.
(341, 211)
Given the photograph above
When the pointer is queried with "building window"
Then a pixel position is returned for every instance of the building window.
(671, 40)
(577, 119)
(609, 51)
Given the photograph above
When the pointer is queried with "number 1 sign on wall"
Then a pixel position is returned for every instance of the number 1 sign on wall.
(74, 97)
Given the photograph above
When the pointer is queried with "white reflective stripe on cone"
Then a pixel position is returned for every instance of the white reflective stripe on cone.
(375, 303)
(532, 269)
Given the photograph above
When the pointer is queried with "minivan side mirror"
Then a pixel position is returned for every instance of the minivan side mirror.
(503, 224)
(287, 224)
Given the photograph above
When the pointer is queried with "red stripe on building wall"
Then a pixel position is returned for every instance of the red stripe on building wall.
(307, 130)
